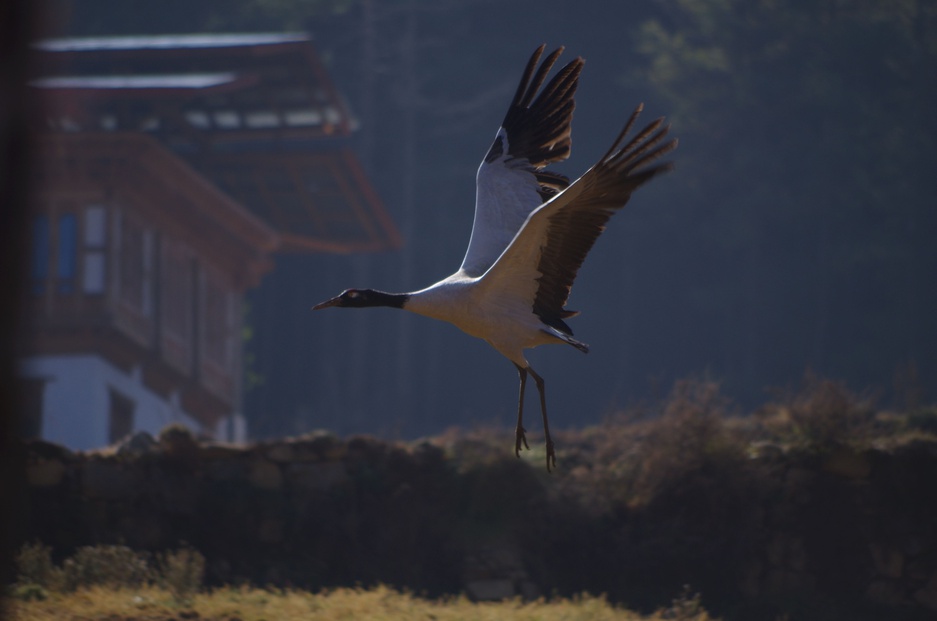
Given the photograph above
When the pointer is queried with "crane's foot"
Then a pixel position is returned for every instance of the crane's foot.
(551, 456)
(520, 436)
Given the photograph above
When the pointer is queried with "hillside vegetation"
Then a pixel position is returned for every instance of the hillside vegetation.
(817, 506)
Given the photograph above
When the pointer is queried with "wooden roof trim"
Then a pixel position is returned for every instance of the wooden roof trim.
(91, 88)
(230, 214)
(362, 205)
(188, 44)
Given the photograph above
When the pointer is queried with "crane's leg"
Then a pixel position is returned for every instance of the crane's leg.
(551, 455)
(520, 434)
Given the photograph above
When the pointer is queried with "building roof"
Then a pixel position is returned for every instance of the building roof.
(130, 82)
(170, 42)
(255, 112)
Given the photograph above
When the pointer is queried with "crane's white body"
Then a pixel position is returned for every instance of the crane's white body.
(477, 306)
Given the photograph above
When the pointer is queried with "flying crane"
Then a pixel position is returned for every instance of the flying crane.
(532, 228)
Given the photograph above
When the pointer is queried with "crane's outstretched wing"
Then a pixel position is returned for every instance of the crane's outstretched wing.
(511, 180)
(544, 258)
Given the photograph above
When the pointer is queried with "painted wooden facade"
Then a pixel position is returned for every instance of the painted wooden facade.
(169, 171)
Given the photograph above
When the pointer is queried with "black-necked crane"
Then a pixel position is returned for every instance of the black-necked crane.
(532, 229)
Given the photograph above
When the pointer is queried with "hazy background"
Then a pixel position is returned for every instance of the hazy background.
(796, 232)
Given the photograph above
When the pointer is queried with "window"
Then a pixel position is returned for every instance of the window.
(95, 226)
(178, 285)
(93, 278)
(58, 252)
(136, 266)
(67, 252)
(121, 417)
(177, 304)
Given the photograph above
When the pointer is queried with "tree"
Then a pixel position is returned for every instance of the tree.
(810, 128)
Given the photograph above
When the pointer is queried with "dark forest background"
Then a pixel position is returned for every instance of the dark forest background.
(797, 232)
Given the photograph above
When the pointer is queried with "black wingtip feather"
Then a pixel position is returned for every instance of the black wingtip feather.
(574, 229)
(528, 72)
(541, 75)
(538, 121)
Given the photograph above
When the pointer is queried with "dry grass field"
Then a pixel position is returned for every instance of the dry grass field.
(379, 604)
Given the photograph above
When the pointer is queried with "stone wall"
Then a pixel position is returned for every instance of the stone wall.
(854, 531)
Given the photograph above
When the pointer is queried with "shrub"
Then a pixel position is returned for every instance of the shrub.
(688, 606)
(34, 567)
(113, 566)
(181, 573)
(639, 453)
(689, 435)
(29, 592)
(824, 414)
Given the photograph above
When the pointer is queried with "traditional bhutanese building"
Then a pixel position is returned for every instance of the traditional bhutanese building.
(169, 169)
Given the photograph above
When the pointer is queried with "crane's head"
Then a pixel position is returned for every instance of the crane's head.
(362, 298)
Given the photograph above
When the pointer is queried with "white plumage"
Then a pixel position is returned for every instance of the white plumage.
(532, 228)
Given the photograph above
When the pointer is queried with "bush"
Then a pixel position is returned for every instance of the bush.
(688, 606)
(117, 567)
(106, 565)
(29, 592)
(647, 450)
(824, 414)
(181, 573)
(35, 568)
(687, 434)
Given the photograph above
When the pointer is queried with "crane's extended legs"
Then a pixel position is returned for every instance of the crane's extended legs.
(520, 434)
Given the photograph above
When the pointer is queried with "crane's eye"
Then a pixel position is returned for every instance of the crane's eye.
(353, 294)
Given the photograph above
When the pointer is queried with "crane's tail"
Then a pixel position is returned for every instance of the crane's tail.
(568, 339)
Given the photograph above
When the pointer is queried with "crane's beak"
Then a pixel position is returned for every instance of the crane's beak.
(333, 302)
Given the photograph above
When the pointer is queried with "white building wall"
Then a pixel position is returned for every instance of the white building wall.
(232, 429)
(76, 400)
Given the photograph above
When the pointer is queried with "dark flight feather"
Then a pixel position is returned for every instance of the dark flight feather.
(573, 229)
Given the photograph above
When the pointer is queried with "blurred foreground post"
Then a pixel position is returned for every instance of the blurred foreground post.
(16, 28)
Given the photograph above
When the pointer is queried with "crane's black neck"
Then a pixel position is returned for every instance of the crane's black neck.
(363, 298)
